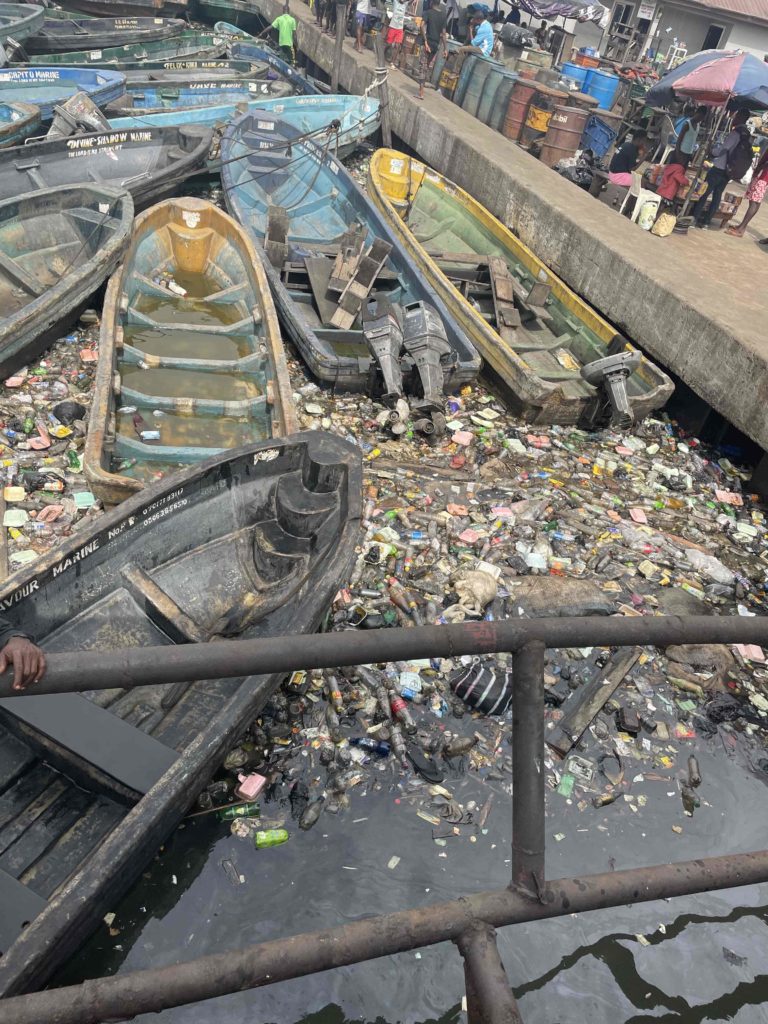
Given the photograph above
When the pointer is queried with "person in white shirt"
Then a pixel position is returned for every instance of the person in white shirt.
(395, 33)
(362, 14)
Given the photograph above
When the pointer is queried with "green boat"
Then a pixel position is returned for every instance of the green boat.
(243, 13)
(189, 43)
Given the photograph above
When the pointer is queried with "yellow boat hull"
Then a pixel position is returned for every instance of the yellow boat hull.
(394, 180)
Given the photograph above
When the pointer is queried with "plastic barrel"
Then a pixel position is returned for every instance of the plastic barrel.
(481, 68)
(576, 72)
(517, 108)
(493, 103)
(603, 86)
(566, 126)
(464, 75)
(540, 109)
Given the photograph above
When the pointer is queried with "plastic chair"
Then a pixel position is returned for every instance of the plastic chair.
(664, 147)
(641, 195)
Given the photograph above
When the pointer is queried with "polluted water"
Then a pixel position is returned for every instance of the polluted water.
(390, 786)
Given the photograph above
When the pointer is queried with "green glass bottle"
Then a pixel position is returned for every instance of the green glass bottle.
(73, 459)
(246, 810)
(270, 837)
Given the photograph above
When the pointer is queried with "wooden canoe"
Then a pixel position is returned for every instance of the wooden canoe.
(57, 35)
(147, 162)
(145, 97)
(189, 43)
(45, 87)
(252, 543)
(19, 21)
(17, 122)
(183, 376)
(313, 203)
(530, 328)
(57, 246)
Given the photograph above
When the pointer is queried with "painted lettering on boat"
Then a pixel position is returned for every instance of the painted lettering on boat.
(86, 144)
(75, 557)
(18, 595)
(30, 75)
(162, 501)
(117, 530)
(165, 512)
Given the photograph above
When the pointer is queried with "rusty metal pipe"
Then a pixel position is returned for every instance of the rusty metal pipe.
(490, 1000)
(528, 768)
(149, 991)
(139, 666)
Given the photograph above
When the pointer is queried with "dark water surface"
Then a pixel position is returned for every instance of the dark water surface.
(705, 959)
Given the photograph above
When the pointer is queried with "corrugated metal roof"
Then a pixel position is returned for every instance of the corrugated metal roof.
(756, 9)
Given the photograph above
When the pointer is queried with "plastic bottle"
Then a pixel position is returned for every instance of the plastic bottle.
(380, 747)
(401, 713)
(246, 810)
(270, 837)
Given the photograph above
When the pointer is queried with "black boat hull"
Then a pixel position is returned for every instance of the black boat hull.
(59, 36)
(149, 534)
(147, 162)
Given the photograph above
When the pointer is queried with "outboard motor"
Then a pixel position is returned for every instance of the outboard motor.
(611, 403)
(427, 345)
(384, 338)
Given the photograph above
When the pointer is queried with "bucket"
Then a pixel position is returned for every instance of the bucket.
(482, 67)
(520, 96)
(464, 76)
(566, 126)
(540, 110)
(493, 103)
(602, 85)
(576, 72)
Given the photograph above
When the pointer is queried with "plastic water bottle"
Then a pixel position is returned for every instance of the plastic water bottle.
(270, 837)
(247, 810)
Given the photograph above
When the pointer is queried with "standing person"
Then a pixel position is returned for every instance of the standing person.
(626, 160)
(688, 136)
(362, 16)
(396, 32)
(731, 159)
(542, 36)
(513, 18)
(755, 194)
(482, 36)
(434, 40)
(285, 25)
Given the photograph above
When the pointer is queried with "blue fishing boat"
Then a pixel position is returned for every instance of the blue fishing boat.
(250, 48)
(17, 121)
(19, 21)
(296, 199)
(358, 115)
(148, 96)
(45, 87)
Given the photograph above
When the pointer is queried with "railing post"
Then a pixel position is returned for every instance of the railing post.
(490, 1000)
(528, 768)
(341, 28)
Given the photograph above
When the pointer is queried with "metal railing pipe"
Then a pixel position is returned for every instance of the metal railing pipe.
(528, 768)
(490, 1000)
(149, 991)
(140, 666)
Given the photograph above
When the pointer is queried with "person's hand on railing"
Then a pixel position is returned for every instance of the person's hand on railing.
(27, 659)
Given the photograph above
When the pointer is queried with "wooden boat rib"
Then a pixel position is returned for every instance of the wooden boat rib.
(147, 162)
(203, 371)
(57, 245)
(47, 86)
(142, 98)
(189, 43)
(529, 327)
(59, 35)
(251, 543)
(17, 121)
(308, 203)
(18, 21)
(359, 116)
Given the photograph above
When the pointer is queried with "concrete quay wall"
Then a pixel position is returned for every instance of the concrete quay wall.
(693, 303)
